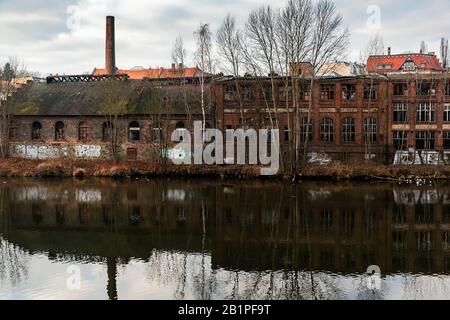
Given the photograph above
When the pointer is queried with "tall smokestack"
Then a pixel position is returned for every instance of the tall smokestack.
(110, 63)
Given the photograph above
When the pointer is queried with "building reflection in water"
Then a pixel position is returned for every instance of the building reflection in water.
(275, 240)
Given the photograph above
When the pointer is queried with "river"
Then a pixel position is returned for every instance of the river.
(208, 239)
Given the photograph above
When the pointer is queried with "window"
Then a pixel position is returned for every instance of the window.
(400, 89)
(327, 130)
(371, 92)
(157, 133)
(286, 134)
(425, 112)
(267, 93)
(230, 92)
(370, 130)
(426, 89)
(305, 92)
(349, 92)
(400, 140)
(327, 92)
(326, 221)
(306, 130)
(59, 131)
(134, 131)
(409, 65)
(13, 130)
(400, 113)
(36, 128)
(285, 94)
(447, 113)
(83, 132)
(447, 88)
(107, 131)
(247, 93)
(425, 140)
(348, 130)
(446, 135)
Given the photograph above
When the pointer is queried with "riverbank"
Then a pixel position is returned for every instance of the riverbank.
(335, 172)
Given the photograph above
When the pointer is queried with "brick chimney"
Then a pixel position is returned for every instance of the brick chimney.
(389, 51)
(110, 61)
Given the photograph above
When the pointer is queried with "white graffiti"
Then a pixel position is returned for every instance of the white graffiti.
(87, 151)
(319, 158)
(414, 157)
(43, 152)
(88, 196)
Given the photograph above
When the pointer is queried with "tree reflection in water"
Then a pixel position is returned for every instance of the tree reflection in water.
(223, 240)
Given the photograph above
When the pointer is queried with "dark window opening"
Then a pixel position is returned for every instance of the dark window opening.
(400, 89)
(327, 92)
(83, 132)
(349, 92)
(327, 130)
(59, 131)
(371, 93)
(425, 140)
(306, 130)
(36, 128)
(348, 130)
(370, 130)
(134, 131)
(400, 140)
(400, 113)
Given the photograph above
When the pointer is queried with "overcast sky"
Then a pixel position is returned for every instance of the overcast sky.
(67, 36)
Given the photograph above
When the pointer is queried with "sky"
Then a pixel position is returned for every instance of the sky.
(67, 36)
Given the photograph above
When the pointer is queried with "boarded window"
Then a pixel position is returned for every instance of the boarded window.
(134, 131)
(83, 132)
(60, 131)
(36, 128)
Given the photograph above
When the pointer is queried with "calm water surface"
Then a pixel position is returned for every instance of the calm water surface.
(222, 240)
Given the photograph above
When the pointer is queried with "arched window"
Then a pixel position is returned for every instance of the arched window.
(348, 130)
(134, 131)
(36, 128)
(327, 130)
(59, 131)
(83, 132)
(107, 131)
(370, 130)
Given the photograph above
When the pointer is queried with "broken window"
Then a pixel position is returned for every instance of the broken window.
(400, 140)
(13, 130)
(230, 92)
(371, 92)
(327, 130)
(327, 92)
(348, 130)
(83, 132)
(349, 92)
(285, 93)
(267, 93)
(134, 131)
(425, 140)
(426, 89)
(107, 131)
(60, 131)
(247, 93)
(400, 113)
(305, 92)
(370, 130)
(426, 112)
(400, 89)
(306, 130)
(157, 133)
(36, 128)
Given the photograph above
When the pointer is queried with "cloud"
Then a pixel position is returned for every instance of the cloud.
(54, 36)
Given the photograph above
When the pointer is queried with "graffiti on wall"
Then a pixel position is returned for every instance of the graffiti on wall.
(319, 158)
(416, 157)
(41, 152)
(88, 151)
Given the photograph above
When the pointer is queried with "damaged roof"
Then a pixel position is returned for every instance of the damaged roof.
(130, 97)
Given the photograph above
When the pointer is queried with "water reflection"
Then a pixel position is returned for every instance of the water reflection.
(222, 240)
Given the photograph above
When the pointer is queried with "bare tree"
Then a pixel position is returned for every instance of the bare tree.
(13, 75)
(204, 60)
(179, 51)
(374, 47)
(329, 42)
